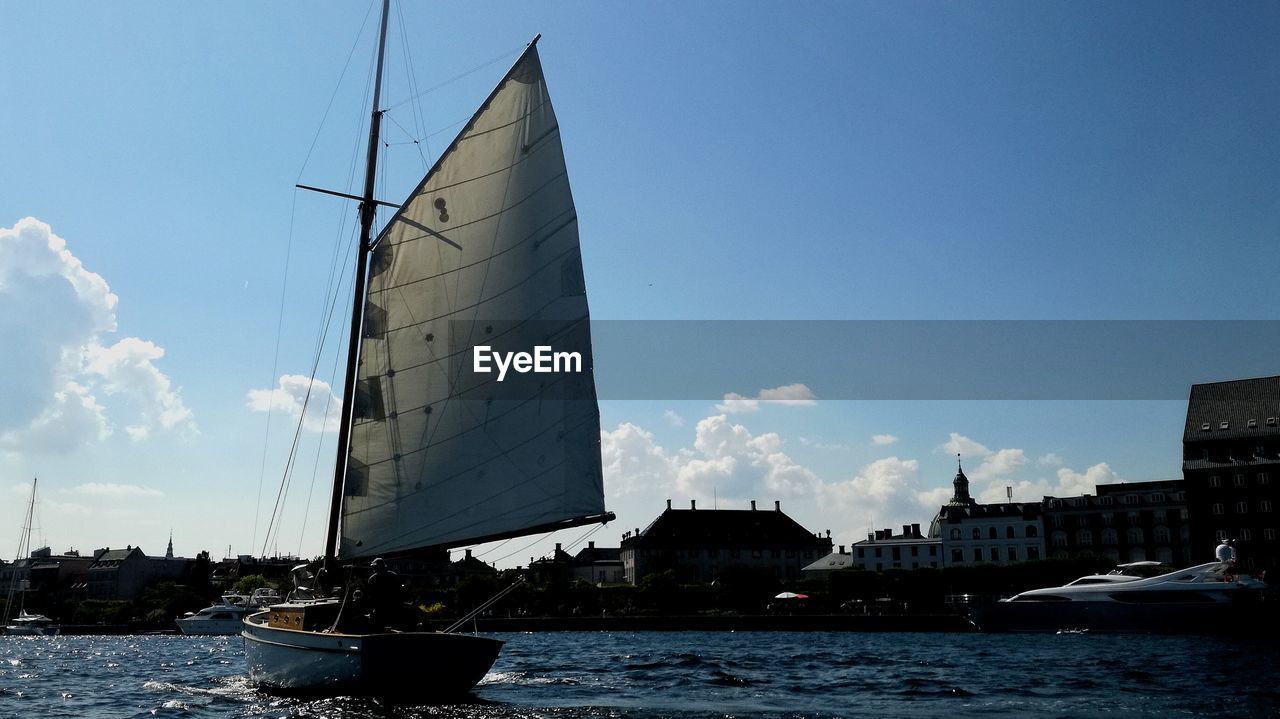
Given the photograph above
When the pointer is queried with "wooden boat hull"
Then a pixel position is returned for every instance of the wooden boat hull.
(425, 666)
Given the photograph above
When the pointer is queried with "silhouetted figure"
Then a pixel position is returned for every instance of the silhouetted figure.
(383, 595)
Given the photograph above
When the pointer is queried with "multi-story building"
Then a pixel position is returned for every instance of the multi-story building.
(598, 565)
(1231, 465)
(882, 549)
(699, 543)
(973, 533)
(1125, 522)
(124, 573)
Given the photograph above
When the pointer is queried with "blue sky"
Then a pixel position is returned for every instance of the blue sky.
(729, 161)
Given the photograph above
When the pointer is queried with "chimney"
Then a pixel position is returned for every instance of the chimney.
(842, 549)
(468, 554)
(871, 537)
(753, 505)
(828, 534)
(915, 530)
(906, 530)
(887, 533)
(668, 504)
(637, 532)
(693, 504)
(557, 547)
(777, 505)
(590, 545)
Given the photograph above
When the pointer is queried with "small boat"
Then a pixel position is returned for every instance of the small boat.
(1206, 598)
(25, 623)
(434, 452)
(226, 616)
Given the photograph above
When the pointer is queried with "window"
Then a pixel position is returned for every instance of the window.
(1157, 498)
(1242, 507)
(1106, 501)
(1238, 480)
(1264, 505)
(1059, 539)
(861, 553)
(1032, 531)
(1161, 534)
(1134, 535)
(1057, 520)
(791, 553)
(977, 533)
(933, 550)
(1033, 552)
(991, 532)
(1130, 499)
(1183, 514)
(1084, 538)
(1013, 554)
(977, 554)
(1082, 520)
(956, 556)
(1134, 517)
(1264, 478)
(1110, 536)
(1159, 516)
(777, 554)
(1246, 535)
(897, 554)
(915, 551)
(1008, 532)
(1215, 480)
(1269, 534)
(1221, 534)
(1107, 519)
(879, 552)
(955, 534)
(995, 554)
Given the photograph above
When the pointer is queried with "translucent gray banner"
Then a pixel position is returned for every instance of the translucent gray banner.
(926, 359)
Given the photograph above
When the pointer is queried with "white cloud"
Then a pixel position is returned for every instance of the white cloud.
(293, 394)
(633, 461)
(108, 489)
(1069, 484)
(875, 484)
(998, 464)
(58, 313)
(883, 439)
(673, 418)
(963, 446)
(795, 395)
(817, 443)
(1050, 459)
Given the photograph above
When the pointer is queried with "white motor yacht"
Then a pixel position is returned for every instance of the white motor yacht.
(30, 625)
(222, 618)
(1208, 597)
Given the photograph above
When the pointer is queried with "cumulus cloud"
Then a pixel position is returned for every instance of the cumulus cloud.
(673, 418)
(60, 313)
(1069, 484)
(876, 485)
(1049, 459)
(817, 443)
(296, 394)
(963, 446)
(727, 461)
(883, 439)
(795, 395)
(108, 489)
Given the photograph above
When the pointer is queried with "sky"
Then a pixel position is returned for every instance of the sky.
(161, 278)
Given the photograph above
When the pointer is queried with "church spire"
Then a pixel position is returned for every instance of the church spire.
(961, 496)
(168, 553)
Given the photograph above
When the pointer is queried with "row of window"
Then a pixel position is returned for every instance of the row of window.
(993, 554)
(1108, 518)
(1133, 535)
(1242, 507)
(1238, 480)
(1268, 534)
(896, 552)
(731, 553)
(1153, 498)
(993, 533)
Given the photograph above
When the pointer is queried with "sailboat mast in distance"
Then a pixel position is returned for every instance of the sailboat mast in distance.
(368, 211)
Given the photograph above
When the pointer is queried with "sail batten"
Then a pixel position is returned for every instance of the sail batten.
(443, 456)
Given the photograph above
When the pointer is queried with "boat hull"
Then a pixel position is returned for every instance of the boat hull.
(1119, 617)
(194, 626)
(419, 665)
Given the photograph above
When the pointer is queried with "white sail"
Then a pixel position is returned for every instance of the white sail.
(484, 252)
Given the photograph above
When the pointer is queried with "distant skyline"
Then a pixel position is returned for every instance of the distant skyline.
(840, 161)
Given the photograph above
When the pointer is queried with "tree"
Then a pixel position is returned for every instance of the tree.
(246, 584)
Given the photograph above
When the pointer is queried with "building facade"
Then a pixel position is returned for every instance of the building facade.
(1231, 464)
(882, 549)
(700, 543)
(973, 533)
(1125, 522)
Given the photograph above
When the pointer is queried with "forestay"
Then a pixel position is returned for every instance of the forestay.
(484, 252)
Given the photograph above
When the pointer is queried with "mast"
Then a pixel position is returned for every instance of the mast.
(24, 551)
(368, 209)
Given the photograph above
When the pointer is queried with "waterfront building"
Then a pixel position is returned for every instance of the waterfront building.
(697, 544)
(599, 565)
(124, 573)
(833, 562)
(1125, 522)
(1231, 465)
(882, 549)
(973, 533)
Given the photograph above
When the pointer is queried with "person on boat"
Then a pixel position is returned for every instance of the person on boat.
(1225, 552)
(383, 595)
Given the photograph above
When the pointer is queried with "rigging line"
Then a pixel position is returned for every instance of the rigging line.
(458, 77)
(412, 78)
(338, 86)
(530, 544)
(492, 549)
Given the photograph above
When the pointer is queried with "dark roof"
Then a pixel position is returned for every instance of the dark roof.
(598, 554)
(1234, 402)
(117, 555)
(744, 527)
(1155, 485)
(1026, 510)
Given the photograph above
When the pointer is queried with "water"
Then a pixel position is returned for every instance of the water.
(685, 675)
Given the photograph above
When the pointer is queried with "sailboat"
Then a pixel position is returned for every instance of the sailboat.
(22, 622)
(431, 453)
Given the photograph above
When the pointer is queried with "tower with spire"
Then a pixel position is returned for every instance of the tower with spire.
(960, 498)
(168, 552)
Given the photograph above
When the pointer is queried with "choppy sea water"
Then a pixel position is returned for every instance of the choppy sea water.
(685, 675)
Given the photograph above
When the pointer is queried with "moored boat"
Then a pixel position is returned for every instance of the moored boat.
(1210, 597)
